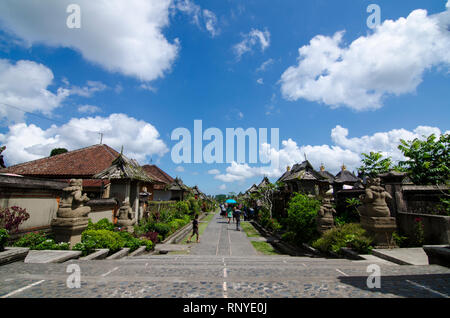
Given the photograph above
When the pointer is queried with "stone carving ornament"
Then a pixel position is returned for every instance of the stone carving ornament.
(72, 202)
(374, 200)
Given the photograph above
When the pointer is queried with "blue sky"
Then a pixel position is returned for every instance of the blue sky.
(377, 86)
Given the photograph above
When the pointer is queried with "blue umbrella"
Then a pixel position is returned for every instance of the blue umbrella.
(231, 201)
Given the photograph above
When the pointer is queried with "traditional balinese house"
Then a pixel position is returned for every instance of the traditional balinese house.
(164, 187)
(77, 164)
(161, 183)
(198, 194)
(345, 180)
(178, 189)
(303, 178)
(127, 180)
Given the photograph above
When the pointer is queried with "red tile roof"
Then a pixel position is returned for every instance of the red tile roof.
(157, 174)
(81, 163)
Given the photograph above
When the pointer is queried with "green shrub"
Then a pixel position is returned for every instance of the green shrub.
(148, 244)
(181, 208)
(301, 220)
(194, 207)
(3, 239)
(400, 240)
(31, 240)
(288, 237)
(163, 229)
(350, 214)
(103, 224)
(103, 239)
(130, 241)
(348, 235)
(50, 244)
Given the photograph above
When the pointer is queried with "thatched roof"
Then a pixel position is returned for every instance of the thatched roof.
(345, 176)
(303, 171)
(124, 168)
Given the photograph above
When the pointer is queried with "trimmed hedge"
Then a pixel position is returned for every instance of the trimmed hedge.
(40, 241)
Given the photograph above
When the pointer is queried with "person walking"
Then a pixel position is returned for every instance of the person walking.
(237, 215)
(194, 229)
(229, 214)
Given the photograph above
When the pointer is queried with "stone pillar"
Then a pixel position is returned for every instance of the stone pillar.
(72, 216)
(375, 215)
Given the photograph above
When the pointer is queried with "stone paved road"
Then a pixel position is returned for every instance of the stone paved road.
(219, 269)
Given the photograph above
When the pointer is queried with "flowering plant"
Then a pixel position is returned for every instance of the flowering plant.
(11, 218)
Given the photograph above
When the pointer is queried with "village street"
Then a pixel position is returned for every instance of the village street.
(223, 265)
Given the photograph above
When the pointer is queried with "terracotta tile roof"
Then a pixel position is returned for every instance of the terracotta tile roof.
(157, 174)
(81, 163)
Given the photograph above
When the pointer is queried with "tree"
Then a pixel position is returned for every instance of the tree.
(58, 151)
(374, 164)
(427, 160)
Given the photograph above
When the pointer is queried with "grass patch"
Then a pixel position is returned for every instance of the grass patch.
(249, 229)
(265, 248)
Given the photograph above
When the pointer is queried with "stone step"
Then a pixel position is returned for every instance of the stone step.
(46, 257)
(138, 252)
(98, 254)
(13, 254)
(120, 254)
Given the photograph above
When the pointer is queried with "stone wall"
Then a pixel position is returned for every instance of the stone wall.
(436, 227)
(157, 206)
(40, 197)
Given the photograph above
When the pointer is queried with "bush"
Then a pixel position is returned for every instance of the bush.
(301, 220)
(400, 240)
(349, 235)
(130, 241)
(31, 240)
(181, 208)
(163, 229)
(3, 238)
(103, 239)
(152, 236)
(11, 218)
(40, 241)
(350, 214)
(148, 244)
(103, 224)
(50, 244)
(194, 207)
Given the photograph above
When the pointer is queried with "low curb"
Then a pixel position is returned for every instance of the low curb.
(98, 254)
(13, 254)
(120, 254)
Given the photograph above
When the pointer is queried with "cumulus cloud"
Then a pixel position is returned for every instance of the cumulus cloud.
(344, 151)
(389, 61)
(24, 87)
(29, 142)
(250, 40)
(213, 171)
(120, 36)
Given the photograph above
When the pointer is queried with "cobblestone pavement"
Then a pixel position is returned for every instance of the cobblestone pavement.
(219, 269)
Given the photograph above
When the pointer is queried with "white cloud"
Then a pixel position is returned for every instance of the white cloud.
(344, 151)
(389, 61)
(265, 65)
(260, 81)
(148, 87)
(28, 142)
(250, 40)
(179, 169)
(214, 171)
(89, 90)
(199, 17)
(25, 85)
(223, 187)
(121, 36)
(89, 109)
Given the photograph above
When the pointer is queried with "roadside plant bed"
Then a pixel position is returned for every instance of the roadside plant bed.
(351, 236)
(100, 236)
(40, 241)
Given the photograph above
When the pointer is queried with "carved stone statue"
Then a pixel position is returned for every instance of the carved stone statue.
(324, 218)
(375, 214)
(126, 218)
(374, 200)
(72, 216)
(72, 202)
